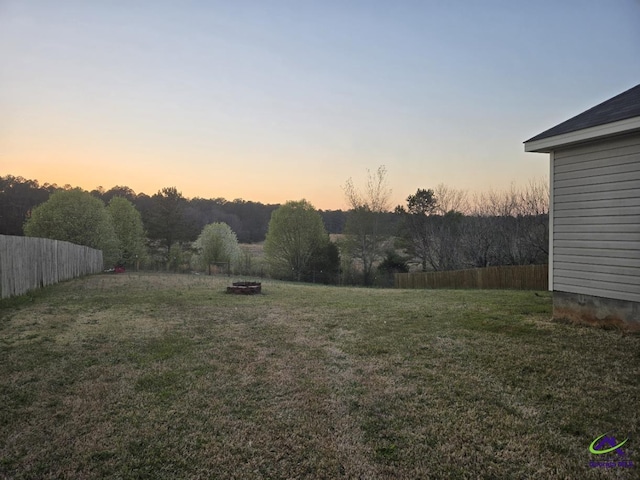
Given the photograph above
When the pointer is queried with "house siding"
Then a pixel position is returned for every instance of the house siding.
(596, 218)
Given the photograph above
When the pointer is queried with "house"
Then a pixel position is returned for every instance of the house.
(594, 214)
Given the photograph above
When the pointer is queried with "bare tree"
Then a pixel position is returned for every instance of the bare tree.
(509, 227)
(535, 199)
(451, 200)
(445, 245)
(365, 233)
(376, 194)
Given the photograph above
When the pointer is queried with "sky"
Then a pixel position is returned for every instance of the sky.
(272, 101)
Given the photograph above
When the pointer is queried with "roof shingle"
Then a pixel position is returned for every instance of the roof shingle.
(622, 106)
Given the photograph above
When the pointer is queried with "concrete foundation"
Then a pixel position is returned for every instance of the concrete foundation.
(596, 311)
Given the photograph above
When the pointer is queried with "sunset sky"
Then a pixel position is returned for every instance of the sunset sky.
(281, 100)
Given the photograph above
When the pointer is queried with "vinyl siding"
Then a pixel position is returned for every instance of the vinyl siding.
(596, 218)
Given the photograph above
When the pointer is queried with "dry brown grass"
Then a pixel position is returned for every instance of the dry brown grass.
(166, 376)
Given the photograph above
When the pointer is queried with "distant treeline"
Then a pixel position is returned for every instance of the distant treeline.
(437, 230)
(249, 220)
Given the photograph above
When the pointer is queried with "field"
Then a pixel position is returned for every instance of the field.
(166, 376)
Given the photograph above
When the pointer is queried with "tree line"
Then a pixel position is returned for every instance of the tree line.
(443, 229)
(248, 219)
(436, 229)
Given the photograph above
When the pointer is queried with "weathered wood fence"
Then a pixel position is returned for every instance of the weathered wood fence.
(519, 277)
(28, 262)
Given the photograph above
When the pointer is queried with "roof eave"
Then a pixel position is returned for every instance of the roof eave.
(546, 145)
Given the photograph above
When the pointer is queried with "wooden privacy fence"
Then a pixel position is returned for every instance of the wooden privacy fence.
(28, 262)
(518, 277)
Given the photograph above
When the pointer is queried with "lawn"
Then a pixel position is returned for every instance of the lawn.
(166, 376)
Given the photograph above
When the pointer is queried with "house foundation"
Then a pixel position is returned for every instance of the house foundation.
(596, 311)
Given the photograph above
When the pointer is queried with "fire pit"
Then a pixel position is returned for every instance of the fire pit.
(245, 288)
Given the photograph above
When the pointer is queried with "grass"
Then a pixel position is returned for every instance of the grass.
(166, 376)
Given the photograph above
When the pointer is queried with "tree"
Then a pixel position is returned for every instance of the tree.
(127, 225)
(324, 265)
(117, 191)
(417, 223)
(445, 251)
(217, 243)
(510, 227)
(365, 233)
(450, 200)
(165, 221)
(295, 232)
(391, 264)
(177, 258)
(77, 217)
(535, 199)
(17, 197)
